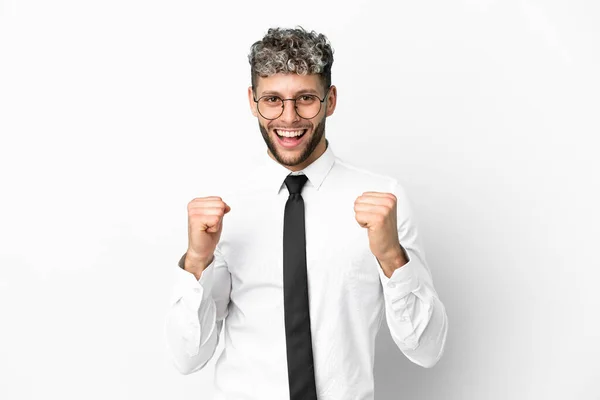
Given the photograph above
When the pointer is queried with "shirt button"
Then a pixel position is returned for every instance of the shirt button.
(391, 284)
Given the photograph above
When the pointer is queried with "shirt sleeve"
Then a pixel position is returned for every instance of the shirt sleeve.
(196, 312)
(415, 315)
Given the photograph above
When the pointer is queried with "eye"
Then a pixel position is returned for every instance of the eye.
(306, 98)
(271, 99)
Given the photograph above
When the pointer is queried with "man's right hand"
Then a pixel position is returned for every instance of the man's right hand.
(205, 223)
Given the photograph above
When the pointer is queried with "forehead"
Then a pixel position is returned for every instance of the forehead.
(289, 84)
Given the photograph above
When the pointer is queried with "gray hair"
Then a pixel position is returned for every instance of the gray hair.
(291, 50)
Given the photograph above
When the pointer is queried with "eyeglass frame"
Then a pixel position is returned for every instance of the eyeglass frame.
(295, 106)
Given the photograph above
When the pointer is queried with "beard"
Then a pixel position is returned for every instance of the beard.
(290, 161)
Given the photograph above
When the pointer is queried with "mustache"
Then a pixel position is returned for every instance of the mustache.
(292, 127)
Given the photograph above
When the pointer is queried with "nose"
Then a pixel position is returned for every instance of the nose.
(289, 112)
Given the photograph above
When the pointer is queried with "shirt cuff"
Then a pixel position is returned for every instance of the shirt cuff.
(186, 283)
(404, 280)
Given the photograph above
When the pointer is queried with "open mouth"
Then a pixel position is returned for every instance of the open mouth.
(290, 138)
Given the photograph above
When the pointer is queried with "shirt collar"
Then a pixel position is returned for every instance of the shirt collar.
(316, 172)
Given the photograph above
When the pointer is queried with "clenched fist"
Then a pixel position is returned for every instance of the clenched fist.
(205, 223)
(376, 211)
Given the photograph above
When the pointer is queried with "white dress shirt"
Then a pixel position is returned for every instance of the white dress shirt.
(348, 291)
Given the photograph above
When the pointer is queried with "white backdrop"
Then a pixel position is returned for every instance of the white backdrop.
(115, 113)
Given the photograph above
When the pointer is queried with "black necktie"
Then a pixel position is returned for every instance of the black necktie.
(301, 374)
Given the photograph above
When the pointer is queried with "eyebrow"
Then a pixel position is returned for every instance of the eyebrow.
(301, 91)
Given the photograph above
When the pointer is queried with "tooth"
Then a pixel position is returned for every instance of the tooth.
(293, 133)
(289, 133)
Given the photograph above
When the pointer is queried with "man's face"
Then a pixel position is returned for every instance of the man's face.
(300, 154)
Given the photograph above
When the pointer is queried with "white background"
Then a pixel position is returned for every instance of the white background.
(115, 113)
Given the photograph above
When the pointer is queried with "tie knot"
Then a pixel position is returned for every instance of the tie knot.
(295, 183)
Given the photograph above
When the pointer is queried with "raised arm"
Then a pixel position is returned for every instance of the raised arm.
(202, 289)
(415, 314)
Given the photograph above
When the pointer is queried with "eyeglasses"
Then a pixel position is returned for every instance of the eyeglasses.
(307, 106)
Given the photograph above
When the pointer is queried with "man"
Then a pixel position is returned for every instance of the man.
(314, 252)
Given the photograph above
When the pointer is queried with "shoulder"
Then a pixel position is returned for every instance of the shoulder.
(365, 177)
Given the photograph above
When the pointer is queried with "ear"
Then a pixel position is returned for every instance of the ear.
(251, 101)
(331, 100)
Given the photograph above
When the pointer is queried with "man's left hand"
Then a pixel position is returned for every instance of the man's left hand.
(376, 211)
